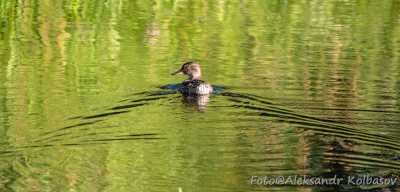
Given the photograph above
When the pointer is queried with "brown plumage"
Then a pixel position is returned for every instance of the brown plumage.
(193, 85)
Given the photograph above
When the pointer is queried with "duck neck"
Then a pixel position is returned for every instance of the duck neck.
(195, 76)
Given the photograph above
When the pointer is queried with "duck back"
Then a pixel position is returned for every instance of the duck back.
(196, 87)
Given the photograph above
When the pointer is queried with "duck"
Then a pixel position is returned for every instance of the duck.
(193, 85)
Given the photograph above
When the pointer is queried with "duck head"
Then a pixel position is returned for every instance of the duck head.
(191, 69)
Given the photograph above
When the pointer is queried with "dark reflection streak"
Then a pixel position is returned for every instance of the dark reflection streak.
(80, 124)
(348, 166)
(158, 93)
(153, 93)
(337, 158)
(249, 96)
(378, 156)
(35, 146)
(336, 128)
(247, 102)
(367, 141)
(126, 106)
(267, 159)
(104, 114)
(123, 100)
(108, 113)
(311, 123)
(365, 119)
(134, 135)
(366, 159)
(6, 152)
(220, 106)
(88, 140)
(139, 100)
(83, 142)
(50, 137)
(75, 117)
(317, 123)
(246, 95)
(344, 109)
(121, 107)
(69, 133)
(71, 144)
(256, 96)
(139, 93)
(173, 98)
(252, 98)
(375, 123)
(72, 137)
(265, 102)
(147, 99)
(71, 126)
(21, 148)
(51, 140)
(122, 139)
(293, 115)
(272, 106)
(340, 129)
(230, 94)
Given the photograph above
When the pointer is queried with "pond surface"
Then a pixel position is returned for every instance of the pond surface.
(307, 88)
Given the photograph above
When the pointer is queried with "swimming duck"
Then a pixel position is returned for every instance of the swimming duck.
(193, 85)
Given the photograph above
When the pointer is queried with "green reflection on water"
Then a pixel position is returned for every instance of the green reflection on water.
(65, 58)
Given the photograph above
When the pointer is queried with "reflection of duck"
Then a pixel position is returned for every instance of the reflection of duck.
(193, 85)
(198, 101)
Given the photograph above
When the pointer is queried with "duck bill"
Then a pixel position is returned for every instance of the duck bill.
(177, 72)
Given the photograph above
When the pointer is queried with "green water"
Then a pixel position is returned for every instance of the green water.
(309, 88)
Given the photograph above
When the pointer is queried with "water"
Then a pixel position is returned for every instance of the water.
(307, 88)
